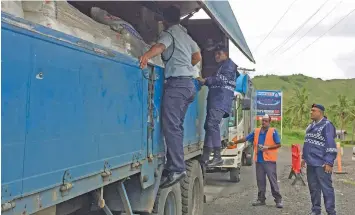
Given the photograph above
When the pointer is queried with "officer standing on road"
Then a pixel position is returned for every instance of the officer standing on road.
(319, 153)
(221, 87)
(266, 143)
(180, 54)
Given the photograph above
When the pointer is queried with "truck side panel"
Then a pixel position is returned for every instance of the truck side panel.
(80, 111)
(158, 146)
(14, 90)
(74, 109)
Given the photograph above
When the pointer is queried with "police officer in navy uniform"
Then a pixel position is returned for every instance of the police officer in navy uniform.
(221, 87)
(319, 153)
(180, 54)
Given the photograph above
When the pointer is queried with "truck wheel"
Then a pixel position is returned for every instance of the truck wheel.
(192, 189)
(244, 159)
(249, 160)
(169, 201)
(235, 175)
(249, 153)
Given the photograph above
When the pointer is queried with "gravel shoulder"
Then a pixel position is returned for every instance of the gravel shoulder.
(237, 198)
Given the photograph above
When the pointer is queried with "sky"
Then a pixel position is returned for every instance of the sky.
(287, 51)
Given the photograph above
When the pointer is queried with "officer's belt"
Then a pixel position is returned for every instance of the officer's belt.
(179, 77)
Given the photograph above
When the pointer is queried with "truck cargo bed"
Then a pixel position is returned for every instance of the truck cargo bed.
(70, 111)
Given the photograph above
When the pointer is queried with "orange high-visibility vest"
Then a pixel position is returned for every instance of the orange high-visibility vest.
(270, 154)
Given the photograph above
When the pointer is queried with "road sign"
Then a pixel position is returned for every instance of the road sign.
(269, 102)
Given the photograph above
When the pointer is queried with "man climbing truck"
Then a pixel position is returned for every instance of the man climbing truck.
(83, 121)
(221, 87)
(242, 120)
(179, 89)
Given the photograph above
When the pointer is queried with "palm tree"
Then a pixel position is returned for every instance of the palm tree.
(352, 119)
(299, 107)
(341, 111)
(333, 114)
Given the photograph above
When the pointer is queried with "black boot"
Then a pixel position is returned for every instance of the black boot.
(206, 155)
(217, 158)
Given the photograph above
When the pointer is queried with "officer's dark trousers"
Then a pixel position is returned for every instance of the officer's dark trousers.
(321, 182)
(178, 94)
(212, 129)
(267, 169)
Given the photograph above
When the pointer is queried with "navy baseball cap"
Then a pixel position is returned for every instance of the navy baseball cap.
(172, 14)
(319, 106)
(221, 48)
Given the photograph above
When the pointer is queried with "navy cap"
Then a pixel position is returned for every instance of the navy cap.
(221, 48)
(319, 106)
(172, 14)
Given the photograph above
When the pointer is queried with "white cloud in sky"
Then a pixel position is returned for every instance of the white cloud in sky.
(331, 57)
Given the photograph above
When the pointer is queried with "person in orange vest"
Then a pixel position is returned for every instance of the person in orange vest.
(266, 143)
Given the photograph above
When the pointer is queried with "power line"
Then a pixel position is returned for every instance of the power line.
(326, 31)
(312, 27)
(297, 30)
(342, 19)
(278, 22)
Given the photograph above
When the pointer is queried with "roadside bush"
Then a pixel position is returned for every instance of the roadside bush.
(347, 142)
(297, 134)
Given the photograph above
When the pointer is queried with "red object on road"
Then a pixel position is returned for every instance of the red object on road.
(296, 158)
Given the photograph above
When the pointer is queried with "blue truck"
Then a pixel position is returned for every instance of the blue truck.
(81, 129)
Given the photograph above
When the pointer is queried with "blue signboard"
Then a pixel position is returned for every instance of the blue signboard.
(269, 102)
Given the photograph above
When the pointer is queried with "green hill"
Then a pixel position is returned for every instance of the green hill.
(320, 91)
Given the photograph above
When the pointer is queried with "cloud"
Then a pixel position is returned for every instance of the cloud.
(330, 57)
(345, 28)
(347, 64)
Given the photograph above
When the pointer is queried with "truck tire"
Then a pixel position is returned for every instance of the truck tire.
(244, 159)
(192, 189)
(169, 201)
(235, 175)
(249, 160)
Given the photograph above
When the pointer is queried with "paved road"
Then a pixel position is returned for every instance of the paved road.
(224, 197)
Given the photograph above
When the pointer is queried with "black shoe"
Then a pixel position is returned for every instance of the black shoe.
(259, 203)
(164, 176)
(217, 158)
(215, 162)
(171, 179)
(206, 155)
(279, 204)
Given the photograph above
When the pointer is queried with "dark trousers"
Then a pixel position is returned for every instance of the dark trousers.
(321, 182)
(213, 134)
(178, 94)
(267, 169)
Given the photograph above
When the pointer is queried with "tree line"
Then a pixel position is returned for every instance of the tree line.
(297, 112)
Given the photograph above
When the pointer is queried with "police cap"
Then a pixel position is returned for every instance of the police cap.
(172, 14)
(319, 106)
